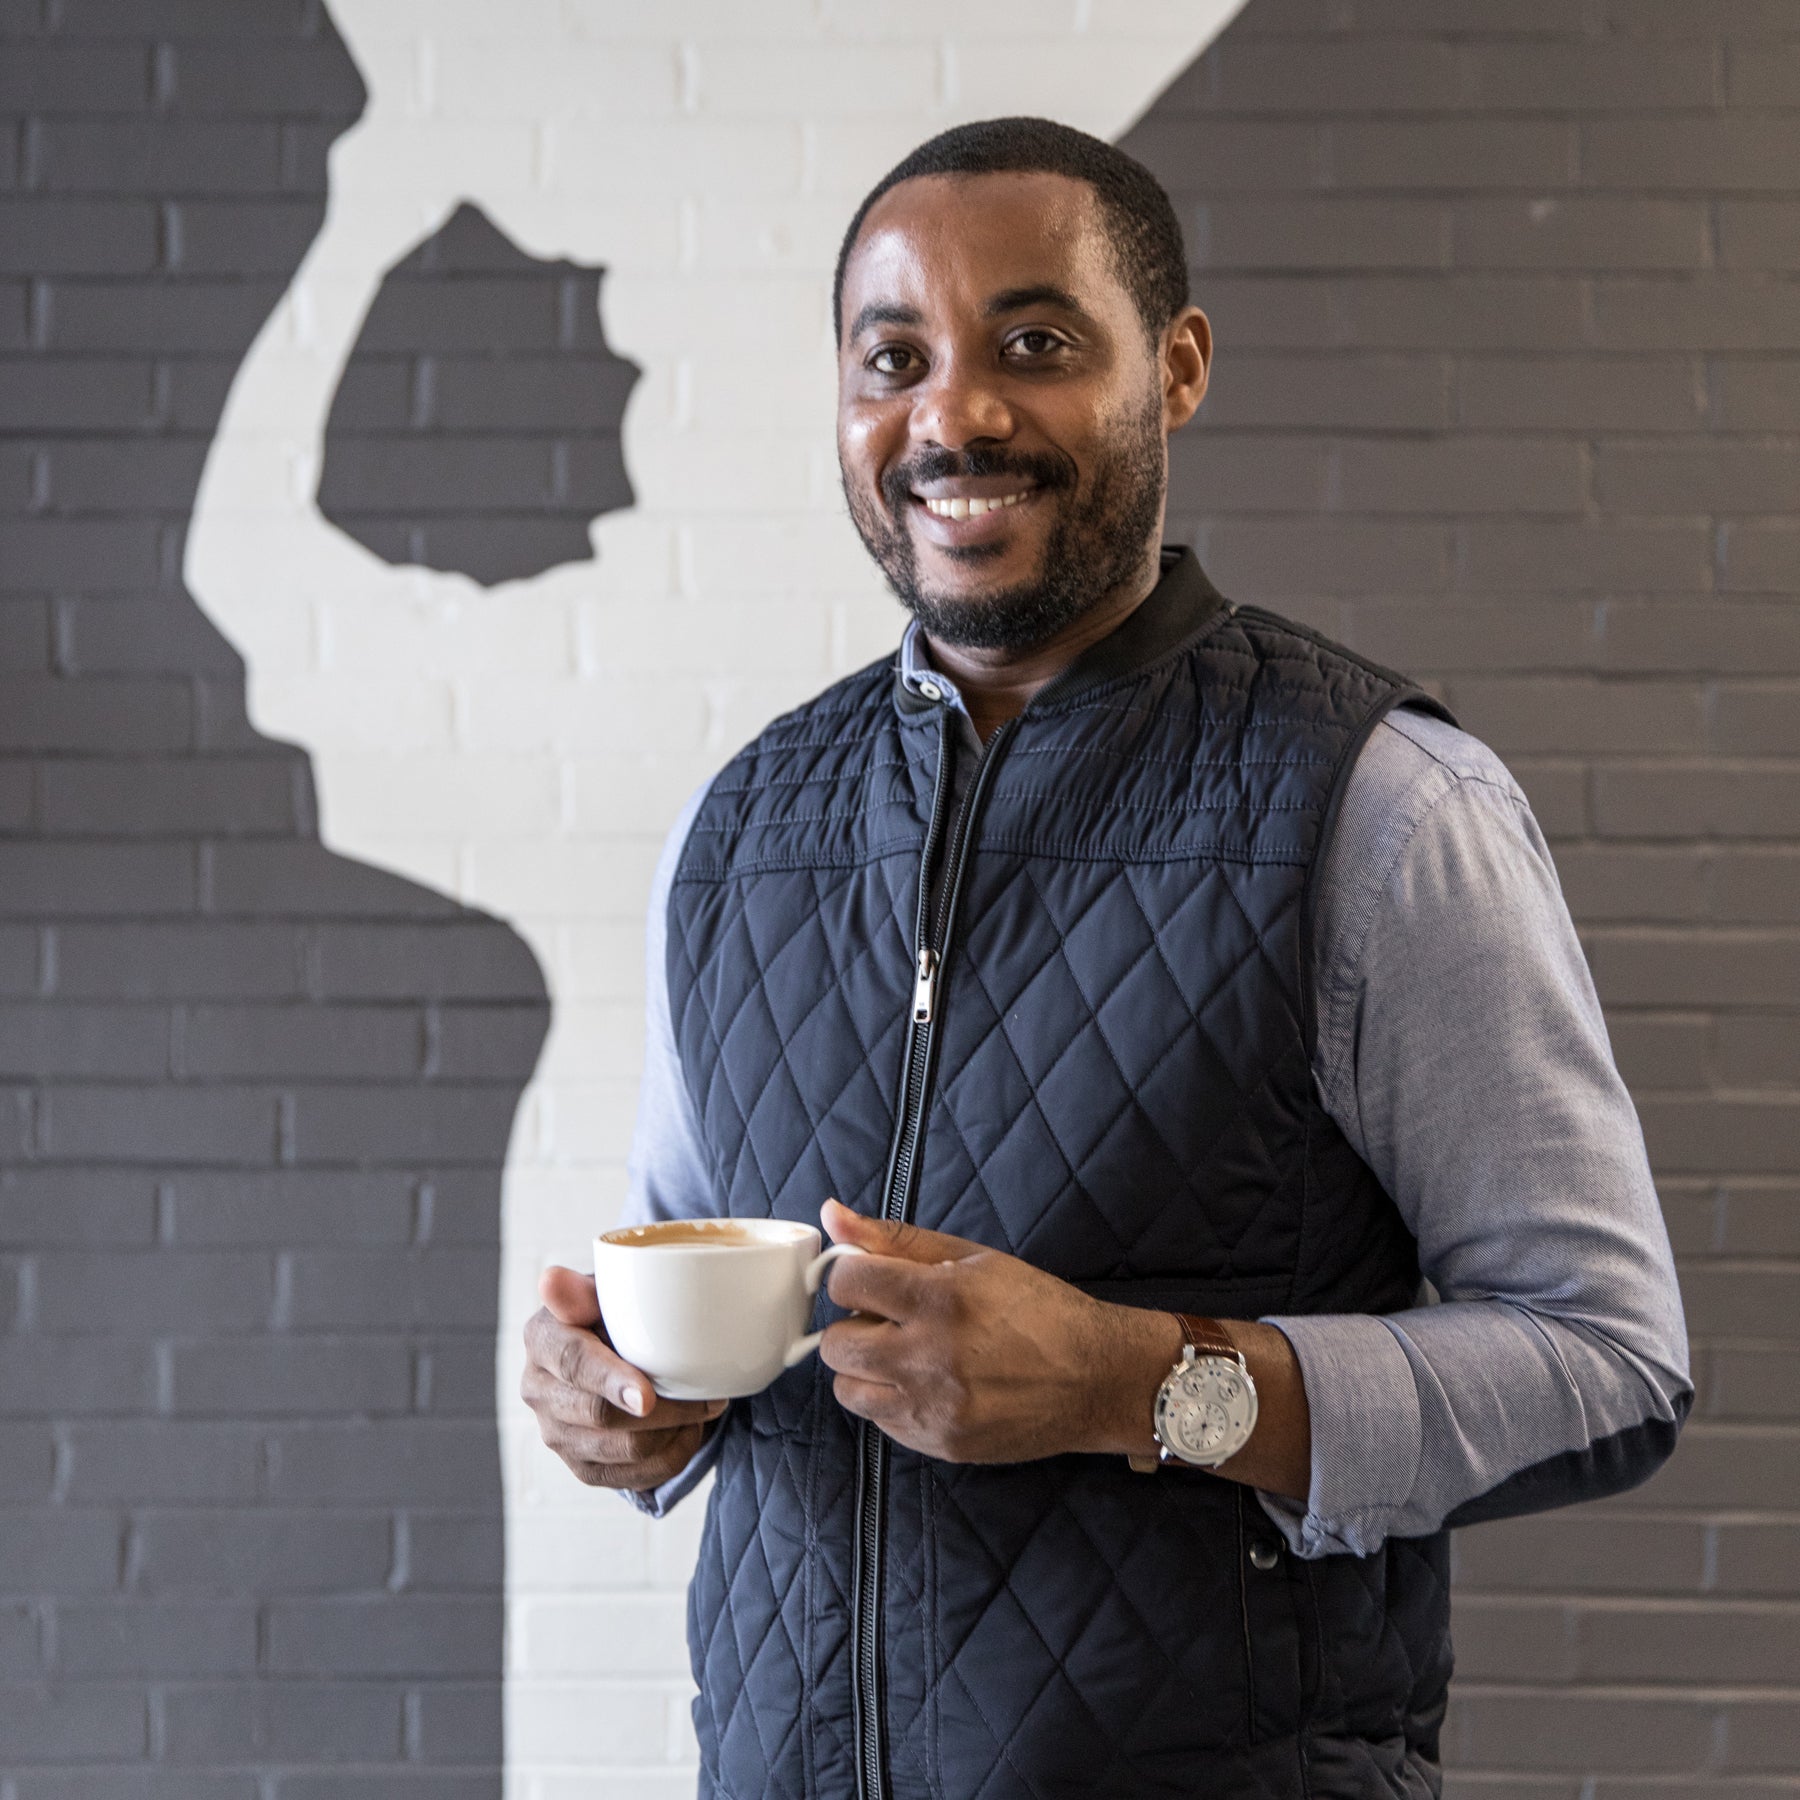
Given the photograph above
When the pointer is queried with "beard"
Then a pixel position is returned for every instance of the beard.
(1096, 544)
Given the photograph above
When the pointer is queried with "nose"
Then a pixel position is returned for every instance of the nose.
(960, 403)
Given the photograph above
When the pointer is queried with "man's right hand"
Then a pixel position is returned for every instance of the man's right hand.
(597, 1412)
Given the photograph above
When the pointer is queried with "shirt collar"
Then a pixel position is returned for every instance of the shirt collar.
(917, 675)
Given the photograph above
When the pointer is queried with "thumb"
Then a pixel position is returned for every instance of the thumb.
(892, 1237)
(570, 1296)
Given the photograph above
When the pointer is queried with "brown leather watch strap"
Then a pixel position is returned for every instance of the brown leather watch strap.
(1207, 1335)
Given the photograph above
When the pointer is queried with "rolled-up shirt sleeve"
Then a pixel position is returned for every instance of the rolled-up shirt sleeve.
(667, 1172)
(1462, 1051)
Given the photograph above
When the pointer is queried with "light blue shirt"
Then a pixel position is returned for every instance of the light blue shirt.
(1462, 1052)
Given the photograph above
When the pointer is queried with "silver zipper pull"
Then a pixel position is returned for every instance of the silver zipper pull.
(925, 987)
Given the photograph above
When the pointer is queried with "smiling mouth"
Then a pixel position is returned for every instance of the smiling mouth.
(972, 506)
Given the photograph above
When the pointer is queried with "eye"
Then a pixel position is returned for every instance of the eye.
(890, 359)
(1034, 340)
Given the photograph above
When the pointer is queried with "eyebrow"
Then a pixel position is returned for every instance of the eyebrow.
(1043, 294)
(884, 313)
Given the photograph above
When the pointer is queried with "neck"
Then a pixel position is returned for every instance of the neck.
(997, 685)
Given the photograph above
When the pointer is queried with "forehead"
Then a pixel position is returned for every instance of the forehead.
(946, 242)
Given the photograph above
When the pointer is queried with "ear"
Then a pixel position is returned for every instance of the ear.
(1187, 350)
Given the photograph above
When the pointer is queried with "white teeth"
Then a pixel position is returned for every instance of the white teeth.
(960, 508)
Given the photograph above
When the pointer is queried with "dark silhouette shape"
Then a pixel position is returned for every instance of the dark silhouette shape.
(254, 1097)
(481, 383)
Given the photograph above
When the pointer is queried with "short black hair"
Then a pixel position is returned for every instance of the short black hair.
(1136, 212)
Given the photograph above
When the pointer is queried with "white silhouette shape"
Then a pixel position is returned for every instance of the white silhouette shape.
(525, 747)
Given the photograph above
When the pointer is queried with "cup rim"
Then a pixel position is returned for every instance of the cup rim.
(778, 1234)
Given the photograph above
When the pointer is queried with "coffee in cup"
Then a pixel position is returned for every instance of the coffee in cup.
(711, 1309)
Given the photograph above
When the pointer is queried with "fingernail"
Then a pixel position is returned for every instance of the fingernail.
(634, 1401)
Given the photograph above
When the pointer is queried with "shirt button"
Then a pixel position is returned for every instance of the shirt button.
(1264, 1556)
(931, 690)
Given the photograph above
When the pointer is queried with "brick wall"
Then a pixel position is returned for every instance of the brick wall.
(1484, 276)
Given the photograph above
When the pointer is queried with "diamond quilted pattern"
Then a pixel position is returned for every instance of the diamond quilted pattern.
(1123, 1096)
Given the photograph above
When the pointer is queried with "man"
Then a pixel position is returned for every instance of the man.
(1165, 991)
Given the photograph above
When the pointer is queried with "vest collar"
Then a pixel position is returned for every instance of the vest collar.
(1181, 605)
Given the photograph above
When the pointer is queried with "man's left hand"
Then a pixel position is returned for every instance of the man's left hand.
(970, 1355)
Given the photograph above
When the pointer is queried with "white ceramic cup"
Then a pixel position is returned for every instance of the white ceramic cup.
(711, 1309)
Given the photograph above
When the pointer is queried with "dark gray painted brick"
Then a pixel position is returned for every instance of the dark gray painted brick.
(1496, 1636)
(1758, 1557)
(1755, 719)
(284, 1376)
(111, 1042)
(1465, 312)
(1479, 18)
(476, 1043)
(1697, 313)
(426, 1784)
(134, 1783)
(1473, 475)
(1717, 478)
(377, 476)
(1759, 1050)
(1581, 1552)
(1547, 556)
(159, 317)
(407, 1635)
(19, 1128)
(1759, 557)
(154, 798)
(137, 1293)
(139, 635)
(1366, 393)
(287, 1721)
(143, 1463)
(1719, 1645)
(532, 393)
(452, 1549)
(1758, 393)
(202, 960)
(76, 1206)
(51, 713)
(1740, 1468)
(1571, 393)
(71, 1724)
(391, 1461)
(98, 475)
(1656, 1051)
(1270, 312)
(1205, 157)
(20, 1659)
(158, 1125)
(453, 961)
(1756, 1383)
(457, 1724)
(91, 553)
(449, 1124)
(458, 1377)
(184, 157)
(445, 1288)
(1762, 1732)
(1243, 75)
(1260, 234)
(27, 1454)
(1560, 1730)
(261, 1551)
(305, 880)
(161, 1637)
(298, 1206)
(69, 880)
(1590, 77)
(1761, 1219)
(1758, 234)
(43, 238)
(1575, 233)
(102, 1376)
(60, 1551)
(1246, 474)
(304, 1040)
(48, 78)
(1629, 883)
(69, 395)
(458, 1207)
(237, 237)
(1685, 800)
(1709, 154)
(1543, 713)
(1725, 637)
(494, 549)
(308, 78)
(16, 808)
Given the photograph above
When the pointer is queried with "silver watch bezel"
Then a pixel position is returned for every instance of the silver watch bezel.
(1194, 1380)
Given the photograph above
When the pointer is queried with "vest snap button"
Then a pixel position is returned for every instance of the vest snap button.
(1264, 1556)
(931, 690)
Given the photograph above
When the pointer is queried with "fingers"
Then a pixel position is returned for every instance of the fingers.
(887, 1287)
(592, 1372)
(597, 1464)
(552, 1398)
(869, 1349)
(569, 1295)
(892, 1237)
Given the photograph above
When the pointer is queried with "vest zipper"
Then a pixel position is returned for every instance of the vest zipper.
(932, 950)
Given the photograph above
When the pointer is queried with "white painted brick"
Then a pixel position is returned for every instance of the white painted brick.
(763, 80)
(778, 556)
(601, 1547)
(559, 878)
(619, 1784)
(509, 77)
(594, 1117)
(493, 796)
(454, 634)
(624, 1634)
(591, 714)
(691, 157)
(774, 315)
(577, 1722)
(365, 712)
(788, 234)
(605, 961)
(433, 154)
(701, 19)
(1012, 21)
(734, 475)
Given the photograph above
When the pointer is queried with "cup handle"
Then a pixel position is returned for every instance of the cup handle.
(801, 1348)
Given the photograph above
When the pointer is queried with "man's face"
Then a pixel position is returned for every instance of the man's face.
(1001, 425)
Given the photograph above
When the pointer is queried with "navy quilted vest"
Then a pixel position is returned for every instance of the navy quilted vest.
(1114, 1084)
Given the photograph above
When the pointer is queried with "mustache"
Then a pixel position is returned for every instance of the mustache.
(1041, 468)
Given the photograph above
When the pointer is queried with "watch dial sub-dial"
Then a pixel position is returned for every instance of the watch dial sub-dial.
(1201, 1425)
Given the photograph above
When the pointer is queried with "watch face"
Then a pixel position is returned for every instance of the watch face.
(1206, 1410)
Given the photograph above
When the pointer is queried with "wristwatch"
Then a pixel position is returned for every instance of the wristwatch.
(1205, 1409)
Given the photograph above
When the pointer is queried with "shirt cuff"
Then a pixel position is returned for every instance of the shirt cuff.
(656, 1501)
(1365, 1434)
